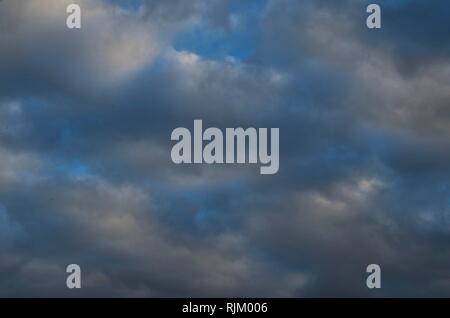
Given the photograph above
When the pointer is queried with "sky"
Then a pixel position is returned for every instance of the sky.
(86, 175)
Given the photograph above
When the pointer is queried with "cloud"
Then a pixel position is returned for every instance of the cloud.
(41, 54)
(86, 175)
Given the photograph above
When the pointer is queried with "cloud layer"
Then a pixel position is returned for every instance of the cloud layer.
(86, 176)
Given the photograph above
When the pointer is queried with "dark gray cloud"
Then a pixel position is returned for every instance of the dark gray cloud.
(86, 175)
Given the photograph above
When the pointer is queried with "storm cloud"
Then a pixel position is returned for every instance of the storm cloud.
(85, 169)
